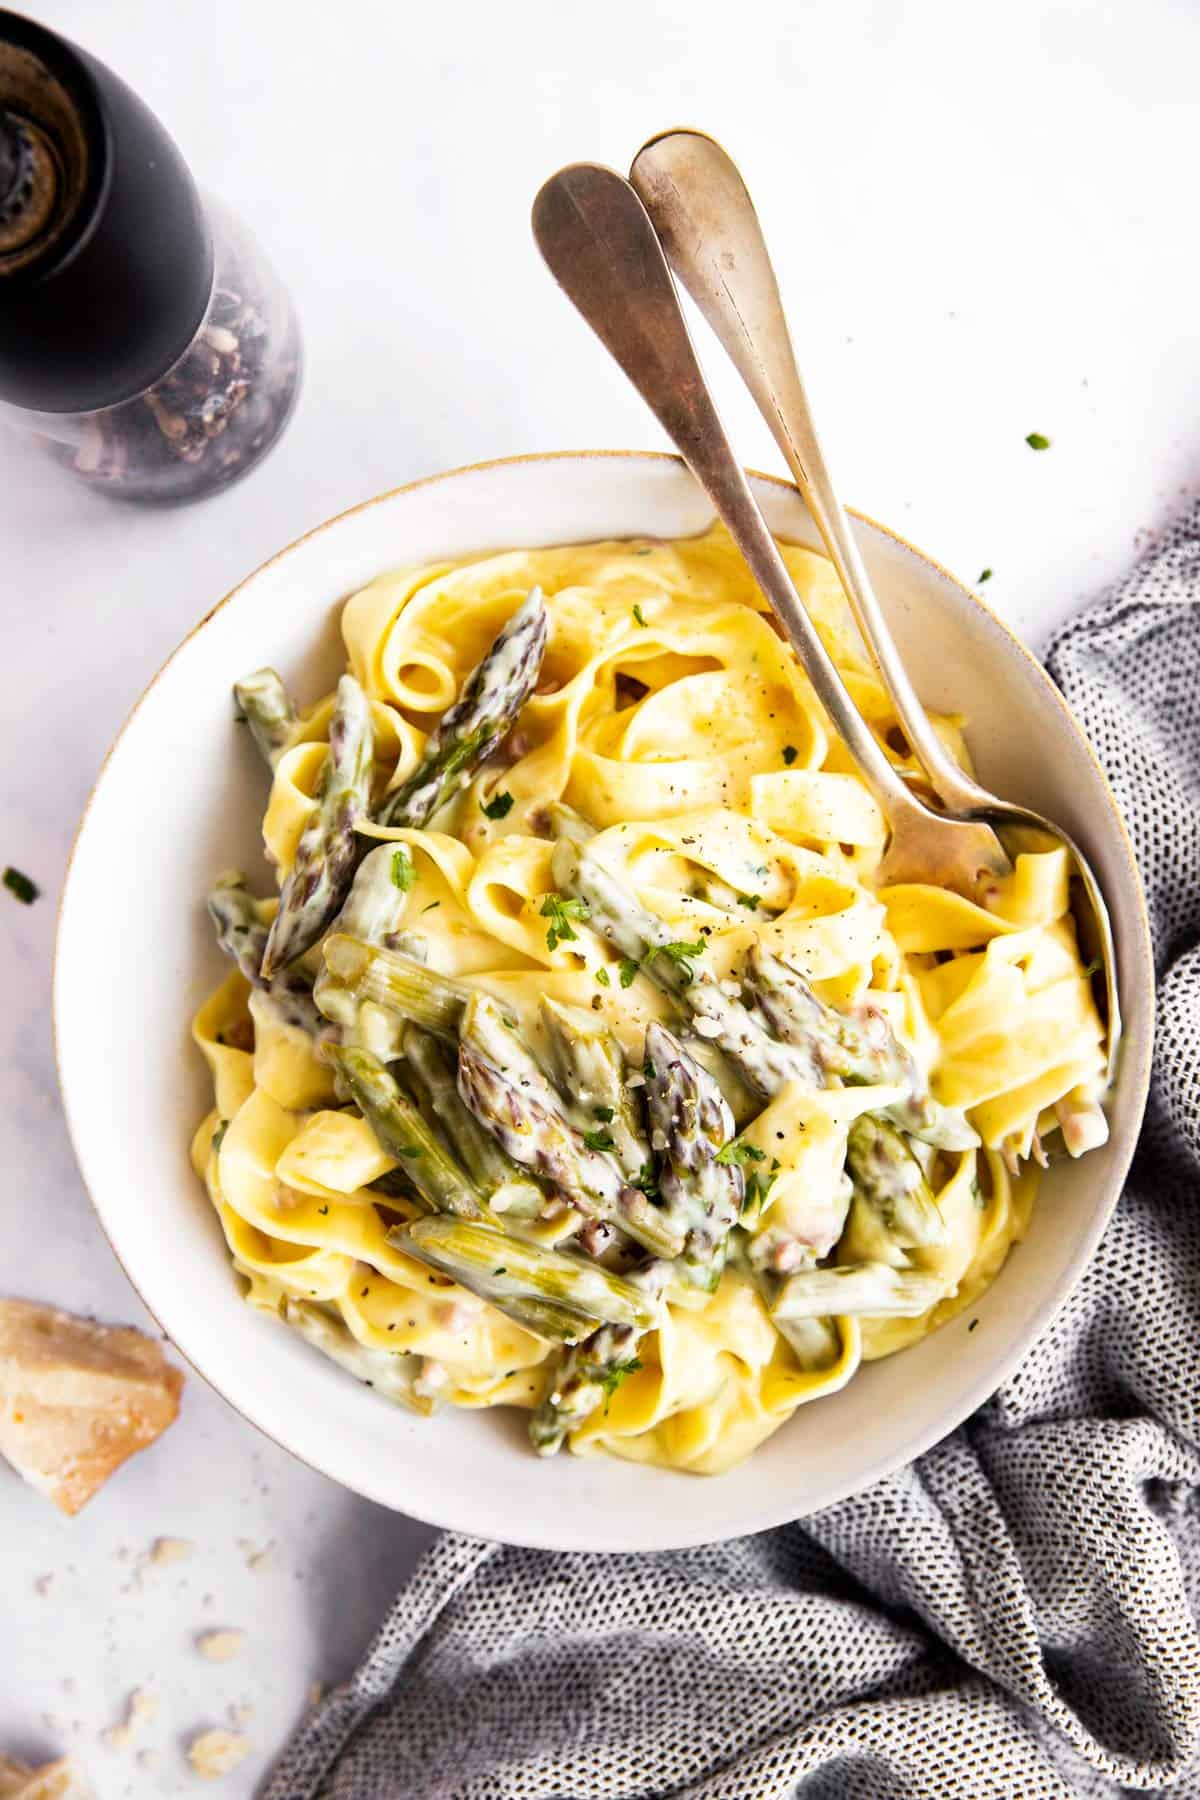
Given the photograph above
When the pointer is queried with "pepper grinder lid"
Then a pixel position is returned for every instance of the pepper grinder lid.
(106, 258)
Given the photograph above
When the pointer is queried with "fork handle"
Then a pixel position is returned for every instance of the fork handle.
(707, 225)
(600, 245)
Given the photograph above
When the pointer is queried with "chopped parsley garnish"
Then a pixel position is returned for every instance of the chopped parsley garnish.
(740, 1154)
(757, 1188)
(603, 978)
(627, 970)
(681, 954)
(503, 1271)
(499, 808)
(403, 871)
(599, 1140)
(20, 887)
(984, 575)
(615, 1374)
(467, 751)
(749, 900)
(560, 911)
(639, 615)
(646, 1181)
(790, 753)
(1037, 441)
(649, 1070)
(604, 1114)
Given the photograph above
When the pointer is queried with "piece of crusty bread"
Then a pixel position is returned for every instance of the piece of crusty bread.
(56, 1781)
(77, 1398)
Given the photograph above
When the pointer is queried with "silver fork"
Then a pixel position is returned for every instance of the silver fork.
(705, 220)
(599, 243)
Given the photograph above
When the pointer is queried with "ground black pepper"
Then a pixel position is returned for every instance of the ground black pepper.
(211, 417)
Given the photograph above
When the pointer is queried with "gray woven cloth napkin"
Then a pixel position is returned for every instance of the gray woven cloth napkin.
(1016, 1615)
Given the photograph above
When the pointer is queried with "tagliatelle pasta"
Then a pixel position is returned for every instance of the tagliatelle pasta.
(581, 1066)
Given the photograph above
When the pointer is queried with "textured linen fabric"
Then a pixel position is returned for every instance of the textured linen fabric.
(1017, 1615)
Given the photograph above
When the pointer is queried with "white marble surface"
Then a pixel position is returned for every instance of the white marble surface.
(983, 229)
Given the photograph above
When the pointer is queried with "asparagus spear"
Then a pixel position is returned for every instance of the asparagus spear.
(243, 936)
(589, 1066)
(373, 906)
(889, 1179)
(786, 1035)
(508, 1093)
(437, 1095)
(371, 914)
(470, 730)
(499, 1268)
(394, 1375)
(876, 1289)
(327, 854)
(586, 1374)
(440, 1182)
(396, 979)
(690, 1125)
(267, 708)
(240, 932)
(858, 1047)
(644, 939)
(563, 821)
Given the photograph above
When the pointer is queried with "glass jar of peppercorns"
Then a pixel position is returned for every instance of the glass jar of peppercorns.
(145, 342)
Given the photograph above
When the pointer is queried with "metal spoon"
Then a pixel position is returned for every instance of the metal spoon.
(707, 225)
(600, 245)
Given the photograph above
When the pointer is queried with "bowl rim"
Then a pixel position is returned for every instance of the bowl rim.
(1141, 952)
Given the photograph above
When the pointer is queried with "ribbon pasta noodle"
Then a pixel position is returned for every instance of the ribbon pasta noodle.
(663, 855)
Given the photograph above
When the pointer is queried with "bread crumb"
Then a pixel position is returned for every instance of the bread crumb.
(148, 1759)
(77, 1399)
(55, 1781)
(241, 1715)
(316, 1692)
(257, 1557)
(220, 1646)
(139, 1710)
(165, 1551)
(43, 1584)
(214, 1753)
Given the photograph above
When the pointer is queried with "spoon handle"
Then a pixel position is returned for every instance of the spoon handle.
(600, 245)
(707, 225)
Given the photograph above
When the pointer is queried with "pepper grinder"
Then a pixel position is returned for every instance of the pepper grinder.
(145, 341)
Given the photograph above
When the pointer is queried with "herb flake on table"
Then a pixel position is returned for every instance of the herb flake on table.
(21, 887)
(1037, 441)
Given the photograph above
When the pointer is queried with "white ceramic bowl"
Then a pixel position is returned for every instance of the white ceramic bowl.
(181, 797)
